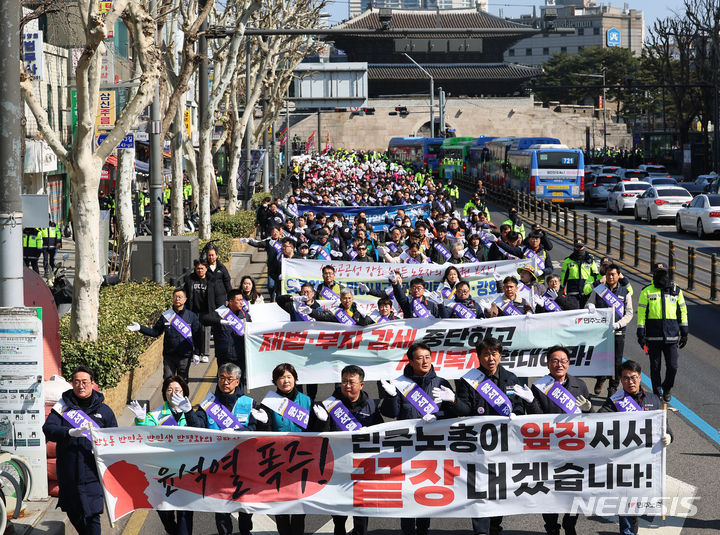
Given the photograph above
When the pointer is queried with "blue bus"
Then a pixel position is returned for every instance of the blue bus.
(423, 153)
(476, 156)
(496, 164)
(550, 172)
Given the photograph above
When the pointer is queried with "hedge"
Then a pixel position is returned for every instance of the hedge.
(240, 225)
(117, 350)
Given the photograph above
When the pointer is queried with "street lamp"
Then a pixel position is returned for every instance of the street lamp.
(604, 102)
(432, 95)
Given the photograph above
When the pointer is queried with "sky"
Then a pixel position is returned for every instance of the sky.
(652, 9)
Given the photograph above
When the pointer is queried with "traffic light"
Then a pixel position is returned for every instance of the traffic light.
(402, 111)
(369, 111)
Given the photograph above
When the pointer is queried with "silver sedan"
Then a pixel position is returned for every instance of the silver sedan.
(701, 215)
(624, 194)
(661, 202)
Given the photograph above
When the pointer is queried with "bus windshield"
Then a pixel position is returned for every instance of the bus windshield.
(557, 160)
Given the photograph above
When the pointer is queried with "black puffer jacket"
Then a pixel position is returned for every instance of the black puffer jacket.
(400, 408)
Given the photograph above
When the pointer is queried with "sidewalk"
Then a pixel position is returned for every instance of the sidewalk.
(42, 517)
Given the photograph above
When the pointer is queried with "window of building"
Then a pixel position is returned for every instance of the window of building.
(528, 51)
(546, 51)
(563, 50)
(581, 31)
(596, 31)
(511, 52)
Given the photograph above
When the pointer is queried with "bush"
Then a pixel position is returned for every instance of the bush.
(258, 198)
(117, 350)
(223, 242)
(240, 225)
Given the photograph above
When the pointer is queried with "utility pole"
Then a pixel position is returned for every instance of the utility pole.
(432, 95)
(249, 126)
(11, 168)
(156, 185)
(441, 104)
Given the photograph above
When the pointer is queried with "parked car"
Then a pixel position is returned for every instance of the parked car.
(700, 185)
(701, 215)
(596, 190)
(654, 169)
(624, 194)
(661, 181)
(660, 202)
(634, 174)
(610, 170)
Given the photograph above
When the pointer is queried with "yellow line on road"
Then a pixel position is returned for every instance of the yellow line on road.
(136, 522)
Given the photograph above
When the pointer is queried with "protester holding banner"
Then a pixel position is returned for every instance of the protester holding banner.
(228, 409)
(80, 491)
(347, 313)
(350, 409)
(630, 398)
(509, 303)
(557, 294)
(463, 306)
(175, 405)
(409, 397)
(535, 251)
(612, 294)
(182, 331)
(487, 390)
(417, 305)
(558, 393)
(508, 246)
(290, 411)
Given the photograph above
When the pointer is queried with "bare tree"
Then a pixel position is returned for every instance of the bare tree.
(83, 164)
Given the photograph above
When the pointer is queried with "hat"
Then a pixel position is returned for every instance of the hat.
(530, 269)
(579, 243)
(303, 246)
(606, 261)
(658, 266)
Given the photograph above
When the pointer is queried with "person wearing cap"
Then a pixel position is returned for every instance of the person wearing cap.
(599, 278)
(303, 251)
(612, 294)
(662, 326)
(544, 240)
(576, 269)
(534, 250)
(323, 248)
(515, 222)
(529, 277)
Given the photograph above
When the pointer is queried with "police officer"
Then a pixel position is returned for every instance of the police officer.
(576, 269)
(32, 247)
(662, 326)
(515, 222)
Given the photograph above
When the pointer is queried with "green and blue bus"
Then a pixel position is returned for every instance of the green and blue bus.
(476, 156)
(496, 164)
(422, 153)
(454, 157)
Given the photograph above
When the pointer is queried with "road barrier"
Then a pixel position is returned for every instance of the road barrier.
(699, 271)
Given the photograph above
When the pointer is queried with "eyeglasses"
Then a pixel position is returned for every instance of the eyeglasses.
(173, 391)
(350, 383)
(224, 379)
(423, 358)
(82, 383)
(560, 362)
(631, 378)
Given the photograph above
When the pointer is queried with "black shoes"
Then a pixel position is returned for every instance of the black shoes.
(666, 397)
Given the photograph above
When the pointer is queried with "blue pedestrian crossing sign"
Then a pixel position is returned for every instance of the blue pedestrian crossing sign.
(613, 37)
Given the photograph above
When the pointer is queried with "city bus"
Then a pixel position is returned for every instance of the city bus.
(550, 172)
(454, 156)
(421, 152)
(476, 156)
(496, 164)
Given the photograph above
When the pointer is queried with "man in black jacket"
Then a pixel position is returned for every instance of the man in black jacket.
(182, 336)
(204, 295)
(229, 344)
(80, 492)
(541, 401)
(218, 271)
(470, 402)
(464, 306)
(417, 305)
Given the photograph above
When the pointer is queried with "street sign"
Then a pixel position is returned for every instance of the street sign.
(613, 37)
(128, 141)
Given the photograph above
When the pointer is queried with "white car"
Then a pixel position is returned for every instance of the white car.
(661, 180)
(624, 194)
(654, 170)
(702, 215)
(660, 202)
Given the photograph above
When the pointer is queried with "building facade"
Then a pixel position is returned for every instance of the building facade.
(358, 6)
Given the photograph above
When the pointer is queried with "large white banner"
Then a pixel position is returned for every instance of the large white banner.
(472, 467)
(480, 275)
(319, 350)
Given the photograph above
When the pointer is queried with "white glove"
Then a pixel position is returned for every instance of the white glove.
(363, 287)
(528, 313)
(244, 240)
(429, 418)
(392, 277)
(320, 412)
(666, 440)
(225, 322)
(591, 308)
(133, 327)
(196, 360)
(583, 403)
(434, 297)
(512, 415)
(616, 325)
(383, 250)
(304, 309)
(76, 432)
(492, 237)
(524, 392)
(138, 410)
(228, 430)
(294, 284)
(443, 393)
(259, 415)
(552, 294)
(335, 254)
(181, 402)
(300, 298)
(388, 387)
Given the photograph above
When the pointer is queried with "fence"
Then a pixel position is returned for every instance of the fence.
(699, 271)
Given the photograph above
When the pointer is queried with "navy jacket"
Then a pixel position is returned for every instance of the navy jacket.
(400, 408)
(365, 410)
(467, 400)
(542, 404)
(199, 417)
(449, 312)
(229, 345)
(405, 303)
(80, 488)
(174, 344)
(320, 314)
(648, 401)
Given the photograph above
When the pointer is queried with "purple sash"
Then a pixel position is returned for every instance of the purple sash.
(287, 409)
(276, 245)
(168, 419)
(411, 260)
(489, 391)
(624, 402)
(447, 292)
(322, 253)
(337, 241)
(471, 256)
(75, 417)
(419, 309)
(224, 418)
(245, 306)
(236, 324)
(393, 248)
(415, 395)
(486, 240)
(611, 299)
(293, 210)
(463, 311)
(382, 318)
(178, 323)
(558, 394)
(509, 309)
(539, 262)
(341, 415)
(440, 248)
(327, 293)
(549, 304)
(343, 317)
(352, 253)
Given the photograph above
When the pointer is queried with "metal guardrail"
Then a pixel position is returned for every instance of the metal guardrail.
(699, 271)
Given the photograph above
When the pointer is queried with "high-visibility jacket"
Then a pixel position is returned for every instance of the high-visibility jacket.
(519, 227)
(662, 314)
(32, 243)
(574, 275)
(50, 237)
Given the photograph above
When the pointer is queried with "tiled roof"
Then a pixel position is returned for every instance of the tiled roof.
(459, 71)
